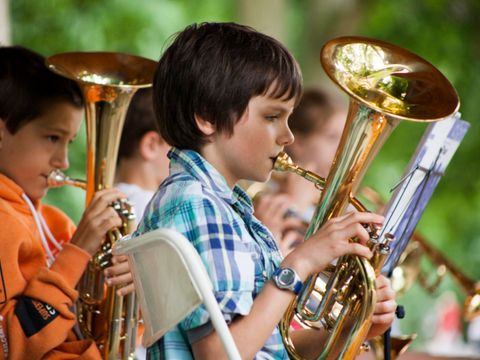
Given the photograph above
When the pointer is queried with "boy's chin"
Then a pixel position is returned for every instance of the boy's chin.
(263, 177)
(37, 195)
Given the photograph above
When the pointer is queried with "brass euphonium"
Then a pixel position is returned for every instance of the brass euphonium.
(386, 84)
(108, 82)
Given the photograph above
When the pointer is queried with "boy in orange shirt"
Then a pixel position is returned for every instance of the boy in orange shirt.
(42, 256)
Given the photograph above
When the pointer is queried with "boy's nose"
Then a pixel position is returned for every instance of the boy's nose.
(286, 137)
(60, 159)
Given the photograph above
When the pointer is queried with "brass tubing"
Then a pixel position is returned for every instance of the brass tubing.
(386, 84)
(108, 82)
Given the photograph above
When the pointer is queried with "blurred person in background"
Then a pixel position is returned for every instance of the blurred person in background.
(142, 158)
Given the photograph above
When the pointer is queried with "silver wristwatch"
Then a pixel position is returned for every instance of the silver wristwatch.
(287, 279)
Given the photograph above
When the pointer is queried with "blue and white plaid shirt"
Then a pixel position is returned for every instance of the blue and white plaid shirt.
(238, 251)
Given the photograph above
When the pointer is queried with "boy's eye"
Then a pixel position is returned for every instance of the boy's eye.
(53, 138)
(271, 117)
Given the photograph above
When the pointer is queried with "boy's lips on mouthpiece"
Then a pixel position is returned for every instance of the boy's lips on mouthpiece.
(274, 159)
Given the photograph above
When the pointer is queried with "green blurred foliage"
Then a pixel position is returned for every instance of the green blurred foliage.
(445, 32)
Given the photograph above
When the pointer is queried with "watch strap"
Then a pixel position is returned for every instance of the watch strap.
(298, 286)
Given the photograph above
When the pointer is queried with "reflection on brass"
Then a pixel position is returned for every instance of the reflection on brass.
(399, 344)
(386, 84)
(108, 82)
(57, 178)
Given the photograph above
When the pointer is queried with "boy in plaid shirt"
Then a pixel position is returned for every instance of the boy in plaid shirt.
(223, 94)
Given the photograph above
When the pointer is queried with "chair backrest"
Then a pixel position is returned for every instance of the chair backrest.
(171, 281)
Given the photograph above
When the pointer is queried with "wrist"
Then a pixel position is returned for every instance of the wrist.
(85, 246)
(296, 263)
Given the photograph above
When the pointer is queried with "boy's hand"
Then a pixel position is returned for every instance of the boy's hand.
(119, 274)
(99, 217)
(331, 241)
(385, 307)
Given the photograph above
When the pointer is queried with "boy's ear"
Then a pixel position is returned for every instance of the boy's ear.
(149, 143)
(206, 127)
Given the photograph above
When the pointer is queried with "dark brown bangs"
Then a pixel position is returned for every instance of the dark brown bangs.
(282, 81)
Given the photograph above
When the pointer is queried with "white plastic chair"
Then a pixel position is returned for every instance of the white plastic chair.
(170, 282)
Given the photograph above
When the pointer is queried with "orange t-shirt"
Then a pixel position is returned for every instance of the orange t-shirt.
(35, 301)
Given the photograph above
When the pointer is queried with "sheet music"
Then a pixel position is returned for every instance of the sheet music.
(435, 150)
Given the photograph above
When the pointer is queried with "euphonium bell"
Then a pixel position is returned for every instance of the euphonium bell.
(386, 84)
(108, 82)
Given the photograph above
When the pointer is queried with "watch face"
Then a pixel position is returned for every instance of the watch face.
(286, 277)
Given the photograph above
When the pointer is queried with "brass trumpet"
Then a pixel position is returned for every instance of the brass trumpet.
(108, 82)
(386, 84)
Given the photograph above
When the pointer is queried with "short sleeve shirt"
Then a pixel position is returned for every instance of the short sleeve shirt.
(238, 251)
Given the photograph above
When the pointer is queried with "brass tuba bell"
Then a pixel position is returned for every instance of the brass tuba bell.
(386, 84)
(108, 82)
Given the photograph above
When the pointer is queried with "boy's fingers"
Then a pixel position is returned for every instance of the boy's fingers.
(354, 230)
(104, 200)
(358, 216)
(109, 220)
(119, 280)
(106, 197)
(384, 319)
(360, 250)
(339, 218)
(384, 307)
(117, 259)
(92, 229)
(364, 218)
(382, 281)
(117, 269)
(130, 288)
(385, 294)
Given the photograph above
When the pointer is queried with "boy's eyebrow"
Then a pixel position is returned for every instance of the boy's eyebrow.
(279, 108)
(57, 129)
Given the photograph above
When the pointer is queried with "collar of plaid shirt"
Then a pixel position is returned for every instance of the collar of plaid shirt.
(199, 168)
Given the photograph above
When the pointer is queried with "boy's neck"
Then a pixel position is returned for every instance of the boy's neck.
(210, 154)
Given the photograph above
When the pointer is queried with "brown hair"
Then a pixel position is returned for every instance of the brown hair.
(212, 70)
(28, 87)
